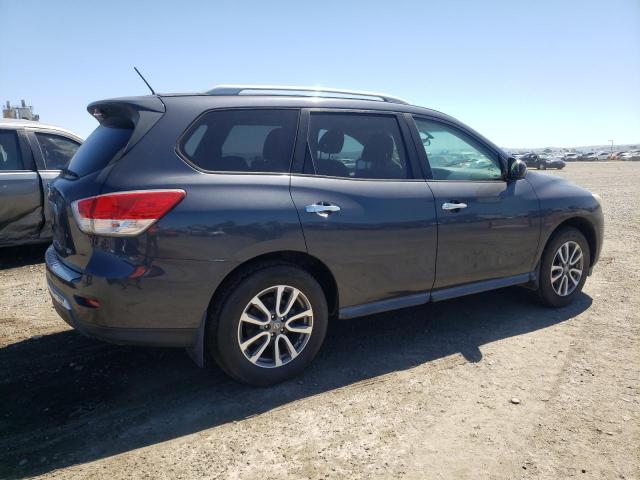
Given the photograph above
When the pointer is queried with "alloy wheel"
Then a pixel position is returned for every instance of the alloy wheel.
(275, 326)
(567, 268)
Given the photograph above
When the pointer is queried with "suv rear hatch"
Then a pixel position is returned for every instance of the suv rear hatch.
(123, 122)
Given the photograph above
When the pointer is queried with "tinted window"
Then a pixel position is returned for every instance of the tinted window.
(242, 140)
(357, 146)
(97, 150)
(454, 156)
(56, 150)
(10, 157)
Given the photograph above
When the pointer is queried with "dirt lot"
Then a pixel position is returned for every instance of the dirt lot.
(420, 393)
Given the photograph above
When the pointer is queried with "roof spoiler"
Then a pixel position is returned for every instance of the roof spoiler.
(137, 113)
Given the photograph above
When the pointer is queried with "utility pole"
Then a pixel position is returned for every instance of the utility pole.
(611, 145)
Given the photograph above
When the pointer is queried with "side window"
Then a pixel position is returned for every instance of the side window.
(10, 156)
(357, 146)
(242, 140)
(56, 150)
(453, 156)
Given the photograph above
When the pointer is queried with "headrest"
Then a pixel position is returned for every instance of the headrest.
(379, 147)
(331, 141)
(274, 145)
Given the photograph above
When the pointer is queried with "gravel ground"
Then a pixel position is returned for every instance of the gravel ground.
(426, 392)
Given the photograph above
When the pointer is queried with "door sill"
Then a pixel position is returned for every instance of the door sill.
(384, 305)
(478, 287)
(435, 296)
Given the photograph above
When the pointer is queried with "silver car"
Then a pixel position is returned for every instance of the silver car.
(31, 154)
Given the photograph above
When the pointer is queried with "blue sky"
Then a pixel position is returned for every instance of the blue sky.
(525, 74)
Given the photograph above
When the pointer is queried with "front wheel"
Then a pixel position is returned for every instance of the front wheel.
(270, 326)
(564, 267)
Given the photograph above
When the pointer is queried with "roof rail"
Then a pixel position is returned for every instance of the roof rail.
(301, 91)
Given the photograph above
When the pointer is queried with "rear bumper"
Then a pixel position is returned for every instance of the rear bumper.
(161, 337)
(118, 319)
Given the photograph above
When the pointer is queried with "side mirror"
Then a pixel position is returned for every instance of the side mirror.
(517, 169)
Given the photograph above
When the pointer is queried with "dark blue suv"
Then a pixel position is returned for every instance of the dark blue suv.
(237, 222)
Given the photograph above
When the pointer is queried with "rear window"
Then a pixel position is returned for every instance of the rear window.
(242, 140)
(100, 148)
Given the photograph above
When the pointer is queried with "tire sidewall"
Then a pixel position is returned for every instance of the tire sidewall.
(225, 342)
(545, 290)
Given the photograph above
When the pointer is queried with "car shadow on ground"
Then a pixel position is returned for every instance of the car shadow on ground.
(12, 257)
(67, 400)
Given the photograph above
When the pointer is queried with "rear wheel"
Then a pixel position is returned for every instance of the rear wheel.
(564, 267)
(270, 326)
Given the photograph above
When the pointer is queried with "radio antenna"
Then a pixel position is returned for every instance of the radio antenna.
(144, 80)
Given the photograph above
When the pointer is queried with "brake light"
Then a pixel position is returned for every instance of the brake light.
(124, 214)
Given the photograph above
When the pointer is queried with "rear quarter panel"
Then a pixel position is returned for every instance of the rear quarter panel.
(224, 220)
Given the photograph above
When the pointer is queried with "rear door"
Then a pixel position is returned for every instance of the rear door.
(488, 227)
(52, 152)
(20, 191)
(365, 211)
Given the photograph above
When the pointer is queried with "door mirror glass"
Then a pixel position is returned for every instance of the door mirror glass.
(517, 169)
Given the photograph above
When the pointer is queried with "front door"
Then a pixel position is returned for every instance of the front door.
(364, 209)
(20, 193)
(488, 227)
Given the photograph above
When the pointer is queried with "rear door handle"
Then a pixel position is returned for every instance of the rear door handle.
(324, 209)
(448, 206)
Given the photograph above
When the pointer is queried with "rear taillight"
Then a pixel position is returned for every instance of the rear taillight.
(124, 214)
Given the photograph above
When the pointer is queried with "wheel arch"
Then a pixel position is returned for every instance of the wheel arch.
(312, 265)
(584, 226)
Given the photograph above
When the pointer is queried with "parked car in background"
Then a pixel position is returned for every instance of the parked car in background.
(542, 161)
(31, 154)
(600, 156)
(550, 161)
(530, 159)
(630, 155)
(239, 221)
(589, 156)
(571, 157)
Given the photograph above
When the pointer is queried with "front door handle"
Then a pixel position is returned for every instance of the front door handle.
(448, 206)
(323, 209)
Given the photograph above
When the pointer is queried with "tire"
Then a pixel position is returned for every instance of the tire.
(548, 290)
(226, 331)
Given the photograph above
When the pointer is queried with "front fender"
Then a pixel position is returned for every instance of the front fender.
(564, 203)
